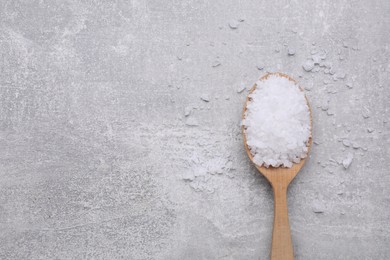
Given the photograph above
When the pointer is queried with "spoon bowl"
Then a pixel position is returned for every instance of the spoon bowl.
(279, 178)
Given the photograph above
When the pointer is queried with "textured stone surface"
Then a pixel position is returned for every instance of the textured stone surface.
(99, 160)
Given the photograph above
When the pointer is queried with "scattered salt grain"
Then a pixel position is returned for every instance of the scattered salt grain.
(308, 65)
(325, 105)
(329, 113)
(366, 113)
(277, 123)
(188, 176)
(346, 143)
(355, 146)
(241, 88)
(216, 64)
(316, 59)
(347, 161)
(326, 81)
(318, 207)
(260, 67)
(340, 75)
(291, 51)
(205, 98)
(233, 24)
(191, 122)
(308, 87)
(187, 111)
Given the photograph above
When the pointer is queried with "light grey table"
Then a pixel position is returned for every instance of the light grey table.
(107, 150)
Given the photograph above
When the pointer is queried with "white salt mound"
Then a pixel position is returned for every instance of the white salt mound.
(277, 123)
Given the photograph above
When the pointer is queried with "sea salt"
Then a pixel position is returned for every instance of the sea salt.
(233, 24)
(260, 67)
(241, 88)
(216, 64)
(187, 111)
(291, 51)
(205, 98)
(277, 123)
(308, 65)
(347, 161)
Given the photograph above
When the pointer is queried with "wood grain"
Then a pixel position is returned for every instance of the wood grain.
(280, 178)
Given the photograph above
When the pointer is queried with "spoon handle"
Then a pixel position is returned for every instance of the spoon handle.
(281, 238)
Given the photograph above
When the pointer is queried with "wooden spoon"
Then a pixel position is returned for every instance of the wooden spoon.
(279, 178)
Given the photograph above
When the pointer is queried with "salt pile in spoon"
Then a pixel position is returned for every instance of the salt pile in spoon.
(277, 122)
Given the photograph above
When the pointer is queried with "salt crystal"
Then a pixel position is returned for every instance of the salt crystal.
(366, 112)
(347, 161)
(291, 51)
(233, 24)
(346, 143)
(188, 176)
(316, 59)
(325, 105)
(326, 82)
(260, 67)
(277, 135)
(241, 88)
(205, 98)
(308, 65)
(318, 207)
(216, 64)
(187, 111)
(191, 122)
(341, 75)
